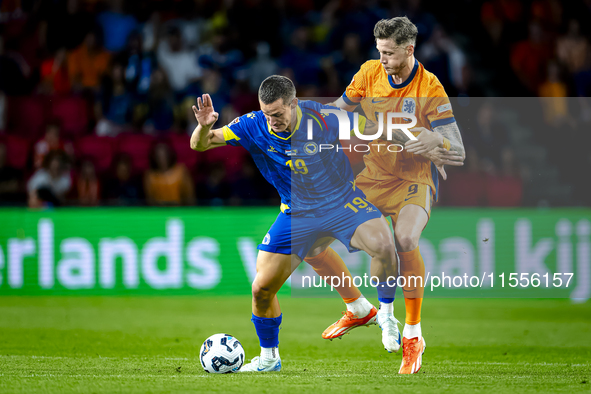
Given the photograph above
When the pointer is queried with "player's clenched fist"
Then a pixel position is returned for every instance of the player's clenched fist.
(204, 112)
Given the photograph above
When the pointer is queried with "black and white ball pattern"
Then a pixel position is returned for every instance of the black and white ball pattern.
(221, 353)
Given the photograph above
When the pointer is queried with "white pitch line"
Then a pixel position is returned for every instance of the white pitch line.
(351, 361)
(208, 376)
(259, 376)
(156, 359)
(505, 363)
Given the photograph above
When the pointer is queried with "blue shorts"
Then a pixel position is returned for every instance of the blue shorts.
(296, 235)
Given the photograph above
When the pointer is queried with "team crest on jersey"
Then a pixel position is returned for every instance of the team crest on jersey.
(291, 152)
(234, 121)
(267, 239)
(409, 106)
(311, 148)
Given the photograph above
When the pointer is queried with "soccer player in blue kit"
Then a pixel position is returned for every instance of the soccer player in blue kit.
(320, 202)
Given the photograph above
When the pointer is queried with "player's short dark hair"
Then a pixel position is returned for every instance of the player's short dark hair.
(277, 87)
(400, 30)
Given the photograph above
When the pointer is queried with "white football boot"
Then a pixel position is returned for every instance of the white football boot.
(390, 334)
(257, 364)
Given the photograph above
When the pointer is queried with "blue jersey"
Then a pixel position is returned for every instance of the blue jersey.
(313, 176)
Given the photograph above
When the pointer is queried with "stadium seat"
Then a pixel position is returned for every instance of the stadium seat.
(504, 191)
(26, 116)
(463, 189)
(72, 113)
(137, 146)
(181, 146)
(17, 151)
(98, 149)
(231, 156)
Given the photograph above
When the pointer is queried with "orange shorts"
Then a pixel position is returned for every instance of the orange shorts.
(390, 196)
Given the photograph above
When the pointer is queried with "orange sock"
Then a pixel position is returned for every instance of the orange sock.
(413, 310)
(412, 265)
(329, 263)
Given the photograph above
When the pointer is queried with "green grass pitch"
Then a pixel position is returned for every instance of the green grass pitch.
(151, 344)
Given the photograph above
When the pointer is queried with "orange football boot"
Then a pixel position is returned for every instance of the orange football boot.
(348, 322)
(412, 355)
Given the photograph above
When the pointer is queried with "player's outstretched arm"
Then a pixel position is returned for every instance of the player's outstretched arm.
(398, 136)
(427, 140)
(452, 133)
(204, 137)
(441, 157)
(340, 103)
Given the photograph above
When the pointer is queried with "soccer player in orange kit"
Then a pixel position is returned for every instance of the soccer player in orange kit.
(403, 185)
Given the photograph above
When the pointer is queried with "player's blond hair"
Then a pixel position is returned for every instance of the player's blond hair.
(400, 30)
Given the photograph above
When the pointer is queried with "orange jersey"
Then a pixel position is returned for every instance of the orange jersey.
(421, 95)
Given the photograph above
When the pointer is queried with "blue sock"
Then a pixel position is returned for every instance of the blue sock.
(386, 293)
(267, 330)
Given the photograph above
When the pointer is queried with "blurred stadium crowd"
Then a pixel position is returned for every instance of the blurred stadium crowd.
(95, 95)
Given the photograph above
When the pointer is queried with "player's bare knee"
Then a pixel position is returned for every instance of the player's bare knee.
(261, 295)
(407, 242)
(383, 251)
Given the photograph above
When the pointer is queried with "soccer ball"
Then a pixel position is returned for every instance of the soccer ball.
(221, 353)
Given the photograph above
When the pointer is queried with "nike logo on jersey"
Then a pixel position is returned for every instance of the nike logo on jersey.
(406, 199)
(373, 101)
